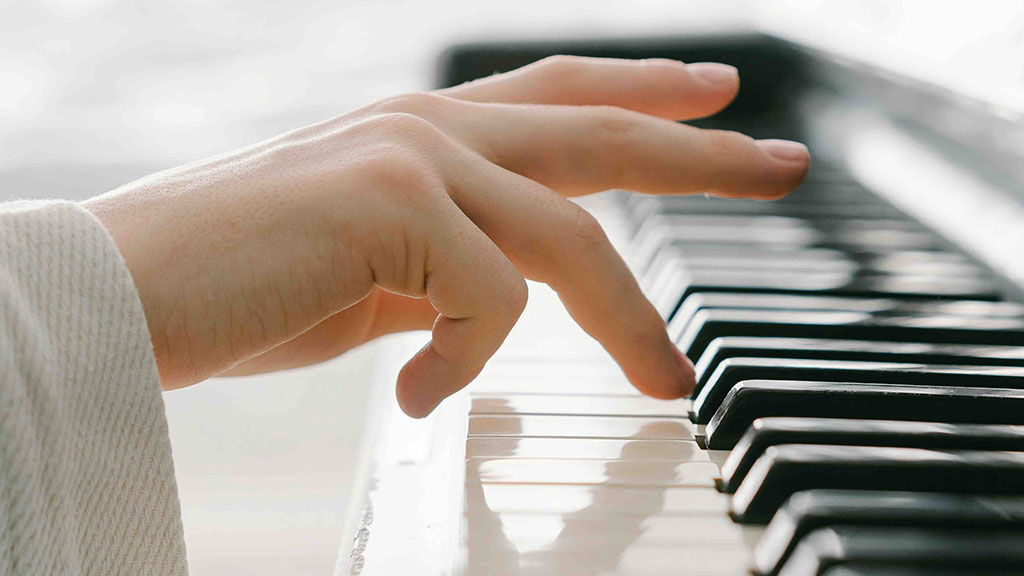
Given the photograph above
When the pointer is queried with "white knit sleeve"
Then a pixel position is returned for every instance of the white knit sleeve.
(86, 478)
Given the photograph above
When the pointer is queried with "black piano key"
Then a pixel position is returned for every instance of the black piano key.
(920, 550)
(816, 261)
(876, 234)
(909, 262)
(866, 234)
(785, 470)
(809, 210)
(777, 236)
(858, 350)
(766, 229)
(916, 262)
(839, 284)
(824, 303)
(710, 324)
(659, 233)
(766, 432)
(666, 280)
(708, 398)
(683, 316)
(799, 204)
(807, 511)
(753, 399)
(883, 569)
(811, 261)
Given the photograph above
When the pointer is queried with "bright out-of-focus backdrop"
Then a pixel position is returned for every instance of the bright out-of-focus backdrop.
(94, 93)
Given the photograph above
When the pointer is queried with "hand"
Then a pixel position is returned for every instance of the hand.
(427, 211)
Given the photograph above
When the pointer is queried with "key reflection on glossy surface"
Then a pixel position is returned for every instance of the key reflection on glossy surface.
(582, 500)
(576, 404)
(584, 449)
(623, 515)
(611, 472)
(582, 427)
(597, 377)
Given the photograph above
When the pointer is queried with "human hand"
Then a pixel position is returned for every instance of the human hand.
(426, 211)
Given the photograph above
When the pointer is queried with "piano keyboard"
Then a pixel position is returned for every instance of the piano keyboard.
(572, 472)
(569, 470)
(859, 410)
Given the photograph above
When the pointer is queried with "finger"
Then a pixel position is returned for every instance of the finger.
(478, 294)
(553, 240)
(665, 88)
(579, 150)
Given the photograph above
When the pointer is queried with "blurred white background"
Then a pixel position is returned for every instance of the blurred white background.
(94, 93)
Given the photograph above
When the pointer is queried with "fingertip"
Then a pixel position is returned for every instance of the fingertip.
(718, 85)
(427, 379)
(688, 378)
(415, 389)
(791, 162)
(411, 399)
(669, 378)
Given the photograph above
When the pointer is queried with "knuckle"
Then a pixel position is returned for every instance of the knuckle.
(587, 232)
(518, 295)
(398, 168)
(662, 62)
(416, 103)
(405, 127)
(561, 63)
(612, 120)
(563, 70)
(611, 132)
(727, 141)
(614, 128)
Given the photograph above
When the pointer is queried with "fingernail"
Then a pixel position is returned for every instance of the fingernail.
(786, 150)
(714, 73)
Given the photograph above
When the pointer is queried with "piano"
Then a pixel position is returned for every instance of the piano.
(859, 347)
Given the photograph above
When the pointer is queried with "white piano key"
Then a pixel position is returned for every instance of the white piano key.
(584, 449)
(638, 561)
(545, 379)
(595, 500)
(587, 532)
(730, 557)
(552, 544)
(604, 472)
(636, 428)
(551, 368)
(589, 405)
(610, 385)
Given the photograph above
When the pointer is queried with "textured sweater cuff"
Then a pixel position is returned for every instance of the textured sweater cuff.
(86, 477)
